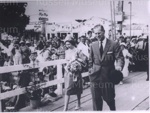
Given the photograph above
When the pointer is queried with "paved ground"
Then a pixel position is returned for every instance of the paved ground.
(132, 95)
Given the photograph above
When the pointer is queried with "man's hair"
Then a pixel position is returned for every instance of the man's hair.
(89, 32)
(99, 26)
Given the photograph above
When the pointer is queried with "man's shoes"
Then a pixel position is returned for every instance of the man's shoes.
(121, 83)
(53, 94)
(147, 79)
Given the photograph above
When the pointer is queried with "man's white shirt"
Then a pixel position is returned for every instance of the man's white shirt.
(84, 48)
(104, 43)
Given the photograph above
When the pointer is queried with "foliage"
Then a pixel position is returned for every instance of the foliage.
(13, 19)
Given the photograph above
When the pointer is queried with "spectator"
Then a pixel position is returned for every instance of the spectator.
(85, 50)
(89, 33)
(83, 46)
(128, 43)
(25, 52)
(33, 58)
(124, 35)
(17, 57)
(61, 50)
(2, 57)
(40, 43)
(126, 55)
(90, 37)
(133, 42)
(30, 45)
(54, 50)
(35, 43)
(134, 52)
(7, 61)
(46, 53)
(121, 39)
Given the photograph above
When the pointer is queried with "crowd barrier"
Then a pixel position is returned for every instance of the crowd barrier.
(22, 67)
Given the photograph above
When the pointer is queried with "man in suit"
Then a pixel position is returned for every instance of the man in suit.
(103, 54)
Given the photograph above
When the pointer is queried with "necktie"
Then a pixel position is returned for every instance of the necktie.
(101, 48)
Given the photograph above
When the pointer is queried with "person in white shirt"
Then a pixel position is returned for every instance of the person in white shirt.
(33, 58)
(7, 61)
(30, 45)
(133, 42)
(85, 50)
(126, 55)
(83, 46)
(44, 54)
(17, 56)
(5, 49)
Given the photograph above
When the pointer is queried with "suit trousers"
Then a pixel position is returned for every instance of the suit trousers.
(103, 91)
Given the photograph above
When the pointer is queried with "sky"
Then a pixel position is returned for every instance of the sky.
(69, 10)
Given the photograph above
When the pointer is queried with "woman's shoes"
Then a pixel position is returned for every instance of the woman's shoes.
(53, 94)
(77, 107)
(147, 79)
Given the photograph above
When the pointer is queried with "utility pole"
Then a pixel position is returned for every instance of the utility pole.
(114, 20)
(116, 17)
(147, 29)
(112, 33)
(130, 18)
(119, 16)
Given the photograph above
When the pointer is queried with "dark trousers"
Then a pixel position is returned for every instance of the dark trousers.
(147, 72)
(103, 91)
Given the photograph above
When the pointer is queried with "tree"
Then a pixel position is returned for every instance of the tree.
(13, 19)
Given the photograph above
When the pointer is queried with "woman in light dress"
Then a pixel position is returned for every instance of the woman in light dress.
(72, 86)
(17, 57)
(126, 55)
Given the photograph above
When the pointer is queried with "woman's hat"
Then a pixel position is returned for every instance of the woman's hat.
(68, 38)
(123, 44)
(133, 39)
(116, 76)
(34, 52)
(27, 42)
(48, 41)
(22, 42)
(16, 43)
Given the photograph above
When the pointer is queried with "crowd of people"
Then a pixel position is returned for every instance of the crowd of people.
(135, 52)
(23, 51)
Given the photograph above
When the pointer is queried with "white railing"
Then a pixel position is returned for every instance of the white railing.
(20, 91)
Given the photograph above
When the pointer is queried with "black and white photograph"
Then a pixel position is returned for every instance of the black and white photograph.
(74, 55)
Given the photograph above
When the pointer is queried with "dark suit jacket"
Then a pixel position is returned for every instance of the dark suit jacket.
(103, 66)
(94, 39)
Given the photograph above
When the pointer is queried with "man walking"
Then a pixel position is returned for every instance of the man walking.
(103, 54)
